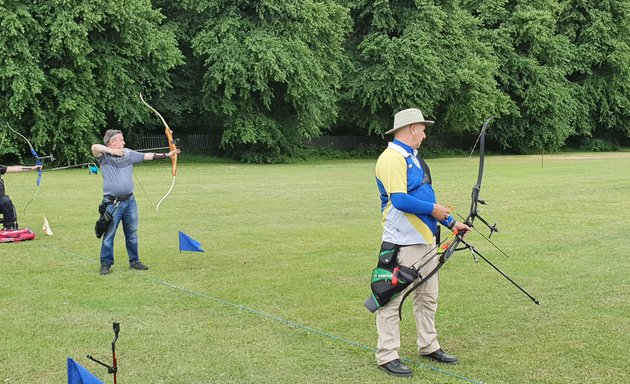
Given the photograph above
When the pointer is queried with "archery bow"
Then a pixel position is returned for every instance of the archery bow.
(458, 243)
(38, 161)
(171, 146)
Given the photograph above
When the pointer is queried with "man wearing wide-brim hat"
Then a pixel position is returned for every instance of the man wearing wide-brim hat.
(410, 218)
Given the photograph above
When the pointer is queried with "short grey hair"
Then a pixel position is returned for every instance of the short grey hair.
(109, 134)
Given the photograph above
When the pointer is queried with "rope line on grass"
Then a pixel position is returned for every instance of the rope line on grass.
(282, 320)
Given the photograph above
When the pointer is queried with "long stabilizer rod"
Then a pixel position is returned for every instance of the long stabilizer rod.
(532, 298)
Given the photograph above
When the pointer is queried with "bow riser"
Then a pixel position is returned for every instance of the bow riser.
(171, 147)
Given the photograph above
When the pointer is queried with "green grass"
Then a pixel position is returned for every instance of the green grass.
(278, 295)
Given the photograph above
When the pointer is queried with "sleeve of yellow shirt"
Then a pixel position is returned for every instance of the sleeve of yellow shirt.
(392, 172)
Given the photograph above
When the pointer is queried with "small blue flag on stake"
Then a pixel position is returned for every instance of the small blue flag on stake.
(79, 375)
(186, 243)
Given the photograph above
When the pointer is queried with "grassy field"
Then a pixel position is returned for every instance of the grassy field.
(277, 297)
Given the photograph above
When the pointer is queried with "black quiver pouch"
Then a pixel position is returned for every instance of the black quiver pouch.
(103, 222)
(388, 278)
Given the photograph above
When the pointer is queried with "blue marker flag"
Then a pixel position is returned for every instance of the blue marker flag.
(186, 243)
(79, 375)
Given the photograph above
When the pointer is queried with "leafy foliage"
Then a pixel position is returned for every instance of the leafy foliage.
(600, 32)
(272, 72)
(71, 68)
(269, 75)
(427, 54)
(534, 64)
(599, 145)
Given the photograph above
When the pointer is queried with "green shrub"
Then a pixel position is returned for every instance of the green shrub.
(600, 145)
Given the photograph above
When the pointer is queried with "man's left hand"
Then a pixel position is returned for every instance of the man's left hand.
(461, 228)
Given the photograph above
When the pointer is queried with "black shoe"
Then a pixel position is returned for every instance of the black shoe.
(105, 269)
(138, 265)
(441, 357)
(396, 368)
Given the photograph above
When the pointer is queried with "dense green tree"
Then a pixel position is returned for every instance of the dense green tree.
(69, 68)
(534, 64)
(600, 32)
(182, 105)
(268, 74)
(272, 72)
(421, 53)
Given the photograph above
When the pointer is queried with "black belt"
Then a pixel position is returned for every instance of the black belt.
(118, 198)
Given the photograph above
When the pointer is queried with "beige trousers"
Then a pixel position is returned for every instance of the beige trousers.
(424, 307)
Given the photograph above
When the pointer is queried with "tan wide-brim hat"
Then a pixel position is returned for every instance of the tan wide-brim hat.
(406, 117)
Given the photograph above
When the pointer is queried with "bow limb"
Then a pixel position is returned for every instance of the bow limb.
(30, 146)
(474, 196)
(171, 146)
(38, 161)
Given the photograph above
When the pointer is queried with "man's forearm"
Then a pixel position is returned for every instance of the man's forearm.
(20, 168)
(158, 156)
(99, 149)
(410, 204)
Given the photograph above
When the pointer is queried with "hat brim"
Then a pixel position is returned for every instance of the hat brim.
(425, 122)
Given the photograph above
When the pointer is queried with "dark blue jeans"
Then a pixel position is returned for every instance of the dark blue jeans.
(127, 212)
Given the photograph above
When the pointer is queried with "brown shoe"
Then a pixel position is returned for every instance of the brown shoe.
(105, 269)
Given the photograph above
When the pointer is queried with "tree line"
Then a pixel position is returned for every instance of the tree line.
(266, 75)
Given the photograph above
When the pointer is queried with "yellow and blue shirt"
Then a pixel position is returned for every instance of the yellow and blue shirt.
(407, 199)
